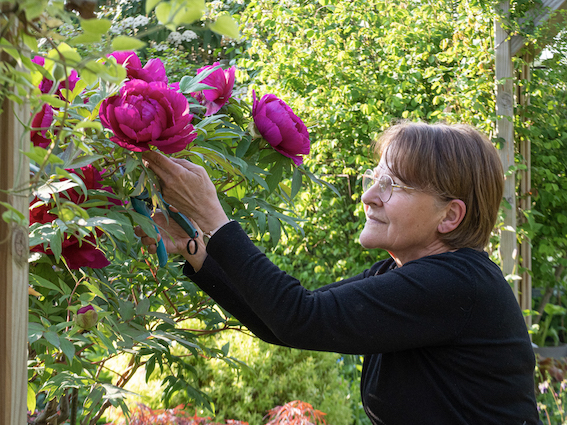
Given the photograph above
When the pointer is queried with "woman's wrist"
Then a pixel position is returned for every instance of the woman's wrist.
(208, 235)
(196, 254)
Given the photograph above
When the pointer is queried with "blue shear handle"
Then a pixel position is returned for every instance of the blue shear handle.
(141, 208)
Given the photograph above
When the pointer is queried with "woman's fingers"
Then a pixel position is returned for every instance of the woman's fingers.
(189, 187)
(151, 243)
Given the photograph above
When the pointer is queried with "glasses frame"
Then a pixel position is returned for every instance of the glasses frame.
(369, 176)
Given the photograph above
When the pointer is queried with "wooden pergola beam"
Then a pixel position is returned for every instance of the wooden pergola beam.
(544, 14)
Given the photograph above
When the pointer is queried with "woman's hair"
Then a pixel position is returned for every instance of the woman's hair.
(453, 162)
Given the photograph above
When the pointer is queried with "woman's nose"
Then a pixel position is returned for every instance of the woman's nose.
(371, 197)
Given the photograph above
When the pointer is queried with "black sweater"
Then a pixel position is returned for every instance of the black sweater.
(443, 336)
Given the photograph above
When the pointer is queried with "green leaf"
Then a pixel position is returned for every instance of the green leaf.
(190, 84)
(104, 339)
(88, 124)
(163, 11)
(124, 42)
(12, 51)
(83, 161)
(68, 348)
(94, 398)
(64, 53)
(39, 281)
(296, 182)
(150, 4)
(96, 26)
(275, 176)
(85, 38)
(35, 331)
(143, 306)
(126, 309)
(243, 146)
(53, 100)
(31, 401)
(15, 213)
(52, 338)
(187, 11)
(44, 192)
(33, 9)
(226, 25)
(275, 229)
(94, 289)
(39, 154)
(55, 244)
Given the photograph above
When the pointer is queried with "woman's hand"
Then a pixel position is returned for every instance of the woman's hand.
(188, 187)
(175, 240)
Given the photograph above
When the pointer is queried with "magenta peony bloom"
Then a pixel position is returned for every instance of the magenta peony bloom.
(43, 119)
(153, 70)
(223, 81)
(281, 128)
(46, 85)
(146, 114)
(86, 317)
(86, 254)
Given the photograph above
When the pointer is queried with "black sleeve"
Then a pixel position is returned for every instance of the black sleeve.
(425, 302)
(213, 280)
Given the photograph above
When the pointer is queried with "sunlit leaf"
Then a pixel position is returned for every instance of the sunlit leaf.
(123, 42)
(226, 25)
(163, 11)
(31, 401)
(53, 100)
(96, 26)
(85, 38)
(150, 4)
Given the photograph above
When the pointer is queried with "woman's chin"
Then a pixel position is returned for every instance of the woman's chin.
(366, 240)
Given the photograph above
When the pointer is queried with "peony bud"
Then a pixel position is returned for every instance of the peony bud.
(281, 128)
(86, 317)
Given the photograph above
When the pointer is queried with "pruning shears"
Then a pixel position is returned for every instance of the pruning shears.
(140, 204)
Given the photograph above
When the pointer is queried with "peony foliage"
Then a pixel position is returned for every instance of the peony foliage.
(97, 99)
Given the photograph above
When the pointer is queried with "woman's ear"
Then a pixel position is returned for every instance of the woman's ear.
(455, 212)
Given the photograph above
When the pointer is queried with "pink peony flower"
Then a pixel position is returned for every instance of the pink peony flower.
(146, 114)
(281, 128)
(153, 70)
(42, 120)
(46, 85)
(223, 81)
(85, 254)
(86, 317)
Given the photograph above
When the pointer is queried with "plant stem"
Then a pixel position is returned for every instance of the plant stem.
(74, 406)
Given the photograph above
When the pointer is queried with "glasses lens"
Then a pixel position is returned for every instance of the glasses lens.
(385, 186)
(367, 180)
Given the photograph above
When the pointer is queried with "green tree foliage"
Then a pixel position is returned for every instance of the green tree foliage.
(543, 121)
(352, 68)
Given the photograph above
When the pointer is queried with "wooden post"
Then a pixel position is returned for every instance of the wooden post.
(525, 201)
(505, 133)
(14, 181)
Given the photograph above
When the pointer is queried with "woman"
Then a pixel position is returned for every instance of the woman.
(443, 337)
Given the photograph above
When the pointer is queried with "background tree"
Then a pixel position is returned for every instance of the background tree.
(353, 68)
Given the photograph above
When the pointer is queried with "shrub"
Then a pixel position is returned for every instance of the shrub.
(273, 376)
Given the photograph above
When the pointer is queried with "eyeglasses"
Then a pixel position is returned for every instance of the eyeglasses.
(385, 184)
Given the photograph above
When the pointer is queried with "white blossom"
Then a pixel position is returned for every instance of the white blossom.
(131, 22)
(177, 38)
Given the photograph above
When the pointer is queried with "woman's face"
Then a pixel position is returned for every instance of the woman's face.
(407, 225)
